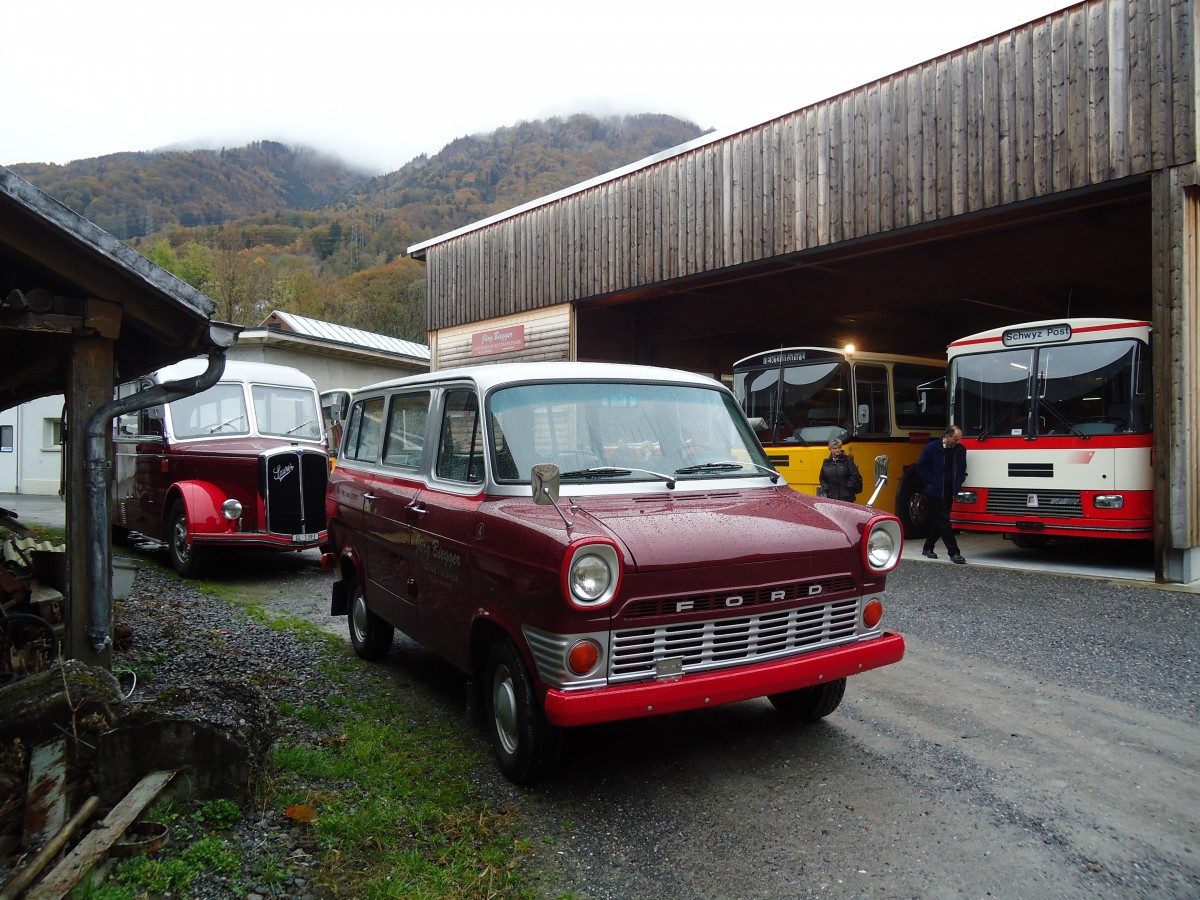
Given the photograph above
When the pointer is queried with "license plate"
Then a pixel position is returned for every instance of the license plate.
(304, 538)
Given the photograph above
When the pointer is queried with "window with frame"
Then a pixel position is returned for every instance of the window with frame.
(460, 446)
(52, 434)
(404, 443)
(364, 433)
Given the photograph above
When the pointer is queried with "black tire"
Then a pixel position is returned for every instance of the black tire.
(912, 506)
(121, 536)
(187, 559)
(527, 746)
(370, 635)
(810, 703)
(1030, 541)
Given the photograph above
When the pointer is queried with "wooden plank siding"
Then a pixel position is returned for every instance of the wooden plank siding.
(1100, 91)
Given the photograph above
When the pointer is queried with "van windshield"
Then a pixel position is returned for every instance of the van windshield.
(629, 431)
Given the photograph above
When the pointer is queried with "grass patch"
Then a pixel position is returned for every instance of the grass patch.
(378, 792)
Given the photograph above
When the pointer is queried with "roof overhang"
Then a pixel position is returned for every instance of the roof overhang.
(63, 279)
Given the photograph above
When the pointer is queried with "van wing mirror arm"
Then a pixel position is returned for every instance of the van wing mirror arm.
(544, 481)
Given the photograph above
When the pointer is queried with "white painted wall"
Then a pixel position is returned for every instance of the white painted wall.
(34, 465)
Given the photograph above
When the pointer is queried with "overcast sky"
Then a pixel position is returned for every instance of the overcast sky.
(378, 82)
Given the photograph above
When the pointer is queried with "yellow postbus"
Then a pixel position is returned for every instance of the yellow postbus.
(878, 404)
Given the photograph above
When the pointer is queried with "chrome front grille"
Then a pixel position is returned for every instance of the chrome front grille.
(1050, 504)
(719, 643)
(656, 607)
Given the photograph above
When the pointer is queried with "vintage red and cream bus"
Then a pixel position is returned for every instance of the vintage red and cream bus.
(1056, 419)
(243, 464)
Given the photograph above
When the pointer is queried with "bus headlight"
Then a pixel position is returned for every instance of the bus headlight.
(231, 509)
(1109, 501)
(969, 497)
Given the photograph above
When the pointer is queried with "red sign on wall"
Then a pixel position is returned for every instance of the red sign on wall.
(498, 340)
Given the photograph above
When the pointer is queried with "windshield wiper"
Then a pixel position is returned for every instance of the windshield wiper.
(602, 471)
(301, 425)
(725, 465)
(216, 428)
(985, 433)
(1054, 412)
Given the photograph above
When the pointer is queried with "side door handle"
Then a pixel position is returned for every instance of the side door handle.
(416, 507)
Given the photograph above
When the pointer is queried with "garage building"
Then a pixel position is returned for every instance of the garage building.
(1048, 171)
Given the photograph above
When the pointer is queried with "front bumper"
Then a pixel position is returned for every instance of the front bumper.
(632, 701)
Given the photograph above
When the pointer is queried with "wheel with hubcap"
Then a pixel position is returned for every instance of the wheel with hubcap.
(370, 635)
(187, 559)
(527, 746)
(810, 703)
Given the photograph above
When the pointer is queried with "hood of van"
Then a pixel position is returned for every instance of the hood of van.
(727, 527)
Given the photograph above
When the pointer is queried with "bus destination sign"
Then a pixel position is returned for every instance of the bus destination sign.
(1036, 334)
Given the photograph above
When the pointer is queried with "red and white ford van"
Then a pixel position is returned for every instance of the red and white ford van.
(594, 542)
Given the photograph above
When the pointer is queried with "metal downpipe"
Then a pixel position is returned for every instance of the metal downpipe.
(96, 471)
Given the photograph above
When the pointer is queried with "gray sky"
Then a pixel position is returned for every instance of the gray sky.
(378, 82)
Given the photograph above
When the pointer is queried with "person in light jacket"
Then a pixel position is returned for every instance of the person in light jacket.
(840, 478)
(943, 469)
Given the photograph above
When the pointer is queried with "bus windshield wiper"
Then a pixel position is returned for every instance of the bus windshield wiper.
(985, 433)
(217, 428)
(1054, 412)
(603, 471)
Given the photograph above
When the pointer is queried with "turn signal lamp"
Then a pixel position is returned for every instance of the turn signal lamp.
(583, 657)
(872, 613)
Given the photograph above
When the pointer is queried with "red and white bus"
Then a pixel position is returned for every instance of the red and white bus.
(1057, 422)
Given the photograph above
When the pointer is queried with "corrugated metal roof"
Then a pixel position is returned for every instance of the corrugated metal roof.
(354, 337)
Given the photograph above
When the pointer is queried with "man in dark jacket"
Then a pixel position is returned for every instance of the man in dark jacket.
(943, 469)
(840, 478)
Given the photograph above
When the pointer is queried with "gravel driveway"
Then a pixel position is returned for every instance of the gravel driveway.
(1039, 739)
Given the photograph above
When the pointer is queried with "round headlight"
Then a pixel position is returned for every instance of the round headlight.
(590, 577)
(591, 574)
(231, 509)
(882, 544)
(880, 548)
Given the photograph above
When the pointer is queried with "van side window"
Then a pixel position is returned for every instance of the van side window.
(460, 448)
(363, 435)
(405, 440)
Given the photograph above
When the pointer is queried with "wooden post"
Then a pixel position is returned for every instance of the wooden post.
(89, 386)
(1175, 283)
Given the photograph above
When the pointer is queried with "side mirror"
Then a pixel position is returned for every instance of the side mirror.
(881, 477)
(544, 480)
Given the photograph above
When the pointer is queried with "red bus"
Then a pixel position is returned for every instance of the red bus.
(1056, 419)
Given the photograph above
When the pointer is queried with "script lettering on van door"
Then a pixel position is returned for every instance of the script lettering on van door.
(441, 562)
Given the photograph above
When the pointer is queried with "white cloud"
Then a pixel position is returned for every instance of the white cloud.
(378, 83)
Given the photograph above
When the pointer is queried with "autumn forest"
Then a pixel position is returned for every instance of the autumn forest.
(269, 226)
